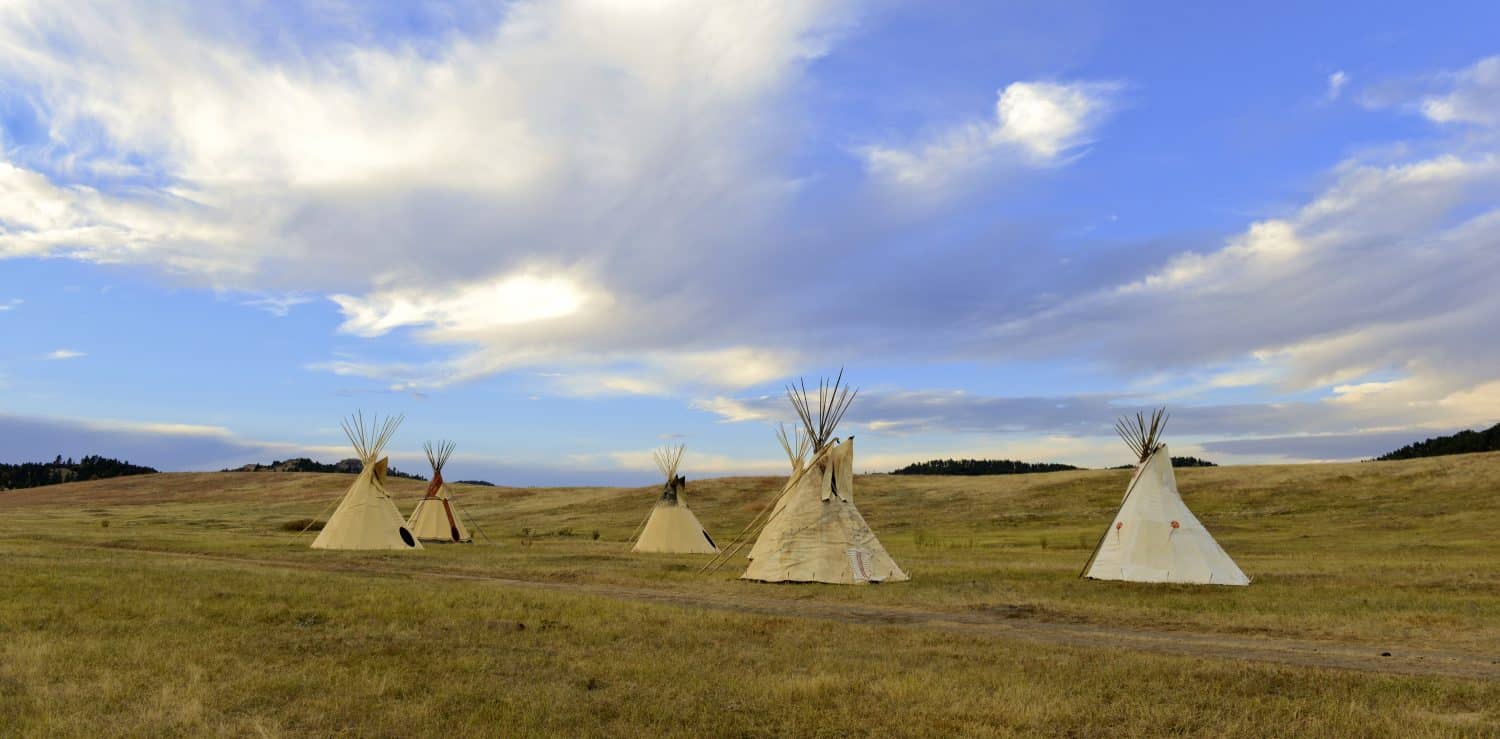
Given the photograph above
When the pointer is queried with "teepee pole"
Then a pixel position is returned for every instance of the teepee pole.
(315, 518)
(469, 520)
(738, 543)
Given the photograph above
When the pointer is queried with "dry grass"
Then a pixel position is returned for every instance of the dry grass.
(121, 643)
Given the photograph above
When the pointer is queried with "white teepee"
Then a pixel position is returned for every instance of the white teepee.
(814, 533)
(672, 528)
(1154, 537)
(366, 518)
(434, 518)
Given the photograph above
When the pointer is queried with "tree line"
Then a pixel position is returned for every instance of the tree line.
(92, 467)
(980, 467)
(1014, 467)
(1463, 442)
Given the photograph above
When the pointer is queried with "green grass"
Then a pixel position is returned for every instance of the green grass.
(105, 641)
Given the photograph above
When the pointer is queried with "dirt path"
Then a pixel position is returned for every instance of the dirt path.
(1008, 624)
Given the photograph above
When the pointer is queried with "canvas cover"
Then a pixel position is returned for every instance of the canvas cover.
(672, 527)
(366, 518)
(1155, 538)
(816, 534)
(435, 518)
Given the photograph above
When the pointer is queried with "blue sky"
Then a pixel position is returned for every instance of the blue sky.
(561, 233)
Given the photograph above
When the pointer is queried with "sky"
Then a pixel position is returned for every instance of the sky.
(565, 233)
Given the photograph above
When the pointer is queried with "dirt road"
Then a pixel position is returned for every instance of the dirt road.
(1014, 623)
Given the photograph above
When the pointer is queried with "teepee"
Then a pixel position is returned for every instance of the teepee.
(1154, 537)
(366, 518)
(434, 518)
(672, 528)
(814, 533)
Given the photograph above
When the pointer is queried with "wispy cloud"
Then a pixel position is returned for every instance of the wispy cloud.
(1034, 124)
(11, 304)
(1336, 83)
(65, 354)
(168, 446)
(278, 305)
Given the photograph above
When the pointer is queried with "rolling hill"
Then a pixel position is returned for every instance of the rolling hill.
(182, 602)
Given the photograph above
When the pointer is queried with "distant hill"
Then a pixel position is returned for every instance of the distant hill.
(483, 483)
(303, 464)
(1463, 442)
(980, 467)
(37, 474)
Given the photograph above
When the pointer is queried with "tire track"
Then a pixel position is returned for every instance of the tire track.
(1007, 624)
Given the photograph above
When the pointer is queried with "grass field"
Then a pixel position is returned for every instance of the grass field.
(179, 604)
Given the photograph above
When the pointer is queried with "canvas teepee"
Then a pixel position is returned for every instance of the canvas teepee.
(814, 533)
(672, 527)
(434, 518)
(1154, 537)
(366, 518)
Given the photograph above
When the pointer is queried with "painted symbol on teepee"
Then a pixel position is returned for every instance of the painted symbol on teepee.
(857, 565)
(1119, 525)
(1176, 525)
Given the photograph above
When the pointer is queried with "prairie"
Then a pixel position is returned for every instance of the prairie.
(182, 604)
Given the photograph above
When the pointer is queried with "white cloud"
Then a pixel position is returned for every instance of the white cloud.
(666, 373)
(11, 304)
(1377, 292)
(43, 219)
(593, 374)
(1336, 83)
(584, 184)
(1473, 96)
(1035, 124)
(65, 354)
(572, 138)
(563, 168)
(1047, 119)
(464, 310)
(731, 410)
